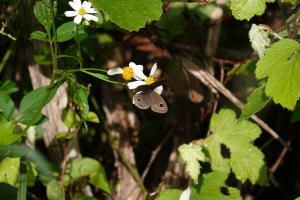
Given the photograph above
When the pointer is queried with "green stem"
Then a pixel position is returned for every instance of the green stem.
(55, 38)
(84, 69)
(54, 59)
(6, 57)
(79, 54)
(22, 190)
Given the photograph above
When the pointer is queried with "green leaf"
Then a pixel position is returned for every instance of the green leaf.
(79, 95)
(39, 35)
(243, 69)
(92, 117)
(130, 14)
(42, 13)
(298, 198)
(236, 137)
(33, 103)
(246, 9)
(7, 106)
(281, 65)
(82, 167)
(169, 194)
(8, 87)
(80, 196)
(68, 30)
(53, 190)
(255, 102)
(191, 154)
(7, 132)
(70, 118)
(42, 165)
(211, 186)
(9, 171)
(259, 39)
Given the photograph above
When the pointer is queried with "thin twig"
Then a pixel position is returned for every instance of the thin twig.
(155, 153)
(210, 81)
(282, 154)
(63, 168)
(2, 32)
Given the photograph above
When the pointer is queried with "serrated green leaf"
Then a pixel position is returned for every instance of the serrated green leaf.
(191, 154)
(245, 160)
(246, 9)
(255, 102)
(9, 171)
(211, 186)
(169, 194)
(33, 103)
(130, 14)
(81, 167)
(68, 30)
(281, 65)
(259, 39)
(7, 133)
(7, 106)
(39, 35)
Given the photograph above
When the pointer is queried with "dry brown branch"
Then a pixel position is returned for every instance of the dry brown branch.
(210, 81)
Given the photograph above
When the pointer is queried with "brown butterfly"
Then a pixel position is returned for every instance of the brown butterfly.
(145, 98)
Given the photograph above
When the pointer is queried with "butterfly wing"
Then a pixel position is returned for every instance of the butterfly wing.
(142, 100)
(158, 104)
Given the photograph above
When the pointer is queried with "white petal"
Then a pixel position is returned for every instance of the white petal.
(77, 19)
(77, 3)
(134, 84)
(136, 67)
(153, 69)
(158, 89)
(139, 75)
(71, 13)
(91, 10)
(86, 5)
(74, 5)
(114, 71)
(185, 195)
(89, 17)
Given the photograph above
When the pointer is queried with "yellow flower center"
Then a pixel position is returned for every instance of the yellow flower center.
(150, 80)
(127, 73)
(82, 11)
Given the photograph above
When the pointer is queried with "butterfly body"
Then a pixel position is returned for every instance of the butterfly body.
(146, 98)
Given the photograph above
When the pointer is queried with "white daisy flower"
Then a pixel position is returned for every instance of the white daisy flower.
(185, 195)
(83, 10)
(144, 80)
(129, 72)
